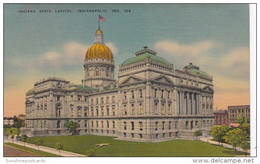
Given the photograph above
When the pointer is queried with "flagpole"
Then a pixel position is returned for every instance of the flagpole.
(98, 22)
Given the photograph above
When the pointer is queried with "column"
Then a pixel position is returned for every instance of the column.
(189, 103)
(194, 110)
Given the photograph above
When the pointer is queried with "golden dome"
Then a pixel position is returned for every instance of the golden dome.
(99, 50)
(98, 32)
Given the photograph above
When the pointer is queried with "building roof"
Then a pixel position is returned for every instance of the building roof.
(30, 92)
(82, 88)
(143, 55)
(220, 111)
(99, 50)
(195, 70)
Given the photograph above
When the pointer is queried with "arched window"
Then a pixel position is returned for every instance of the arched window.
(102, 124)
(107, 124)
(162, 93)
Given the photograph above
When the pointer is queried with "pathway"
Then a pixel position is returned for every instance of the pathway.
(208, 139)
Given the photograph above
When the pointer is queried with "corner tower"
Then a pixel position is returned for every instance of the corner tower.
(99, 64)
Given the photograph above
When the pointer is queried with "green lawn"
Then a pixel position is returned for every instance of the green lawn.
(176, 148)
(33, 151)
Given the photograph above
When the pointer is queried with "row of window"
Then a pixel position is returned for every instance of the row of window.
(103, 124)
(102, 100)
(132, 94)
(102, 110)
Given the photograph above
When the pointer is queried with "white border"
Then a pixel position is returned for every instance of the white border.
(253, 36)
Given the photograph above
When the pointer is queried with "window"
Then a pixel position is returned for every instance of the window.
(163, 123)
(96, 100)
(58, 98)
(133, 125)
(156, 125)
(132, 94)
(176, 125)
(140, 93)
(141, 126)
(187, 124)
(170, 125)
(107, 71)
(107, 101)
(102, 100)
(86, 111)
(97, 111)
(107, 124)
(45, 106)
(155, 108)
(141, 108)
(124, 134)
(169, 108)
(113, 110)
(114, 125)
(132, 135)
(107, 111)
(125, 96)
(140, 135)
(169, 94)
(102, 124)
(92, 111)
(155, 93)
(102, 111)
(162, 109)
(79, 98)
(97, 72)
(97, 124)
(162, 93)
(58, 110)
(113, 99)
(92, 124)
(124, 125)
(58, 124)
(79, 111)
(125, 110)
(85, 98)
(133, 108)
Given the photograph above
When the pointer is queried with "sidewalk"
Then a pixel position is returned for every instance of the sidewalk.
(204, 139)
(62, 153)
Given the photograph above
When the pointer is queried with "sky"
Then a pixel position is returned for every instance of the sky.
(37, 45)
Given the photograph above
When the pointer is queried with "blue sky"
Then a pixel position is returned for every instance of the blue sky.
(212, 36)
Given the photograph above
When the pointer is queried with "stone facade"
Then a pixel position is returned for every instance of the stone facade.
(150, 100)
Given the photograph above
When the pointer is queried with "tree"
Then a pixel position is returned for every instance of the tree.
(245, 146)
(218, 132)
(39, 142)
(198, 133)
(12, 137)
(58, 146)
(91, 153)
(24, 138)
(235, 137)
(72, 126)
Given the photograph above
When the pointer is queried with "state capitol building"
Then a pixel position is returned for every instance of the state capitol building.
(149, 101)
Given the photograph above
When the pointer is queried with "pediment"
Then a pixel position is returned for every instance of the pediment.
(163, 79)
(131, 80)
(207, 89)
